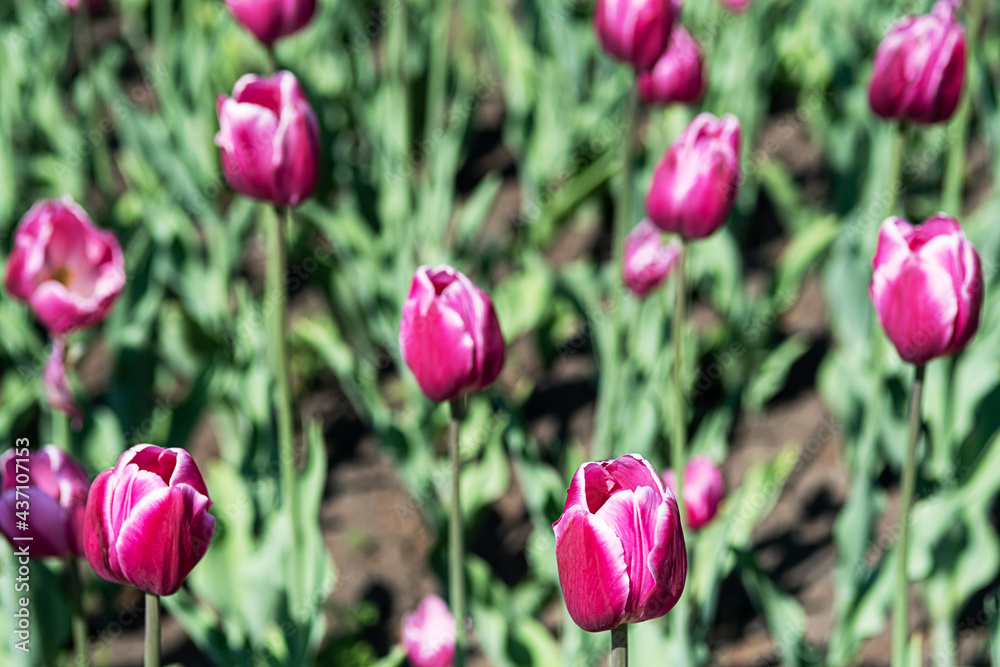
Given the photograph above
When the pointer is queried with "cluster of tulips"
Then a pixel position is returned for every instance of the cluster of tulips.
(620, 544)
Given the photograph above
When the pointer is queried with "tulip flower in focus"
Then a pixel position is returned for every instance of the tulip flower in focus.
(429, 634)
(56, 495)
(619, 545)
(647, 258)
(147, 520)
(269, 139)
(927, 287)
(695, 184)
(270, 20)
(919, 67)
(69, 271)
(703, 489)
(635, 31)
(678, 75)
(449, 335)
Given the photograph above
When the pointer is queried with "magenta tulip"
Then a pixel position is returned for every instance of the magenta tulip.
(920, 67)
(678, 75)
(449, 335)
(56, 383)
(270, 20)
(55, 495)
(147, 520)
(635, 31)
(647, 258)
(703, 489)
(619, 545)
(269, 139)
(67, 269)
(429, 634)
(927, 287)
(695, 184)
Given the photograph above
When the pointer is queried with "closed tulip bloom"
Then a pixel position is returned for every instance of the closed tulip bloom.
(270, 20)
(678, 75)
(635, 31)
(695, 184)
(147, 520)
(56, 496)
(429, 634)
(69, 271)
(647, 258)
(920, 67)
(703, 489)
(58, 393)
(449, 335)
(269, 139)
(619, 545)
(927, 287)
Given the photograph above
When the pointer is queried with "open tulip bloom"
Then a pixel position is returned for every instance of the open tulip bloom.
(619, 545)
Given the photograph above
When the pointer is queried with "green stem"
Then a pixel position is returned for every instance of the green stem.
(954, 175)
(619, 646)
(678, 459)
(74, 584)
(272, 59)
(895, 169)
(456, 550)
(163, 13)
(152, 651)
(276, 304)
(60, 430)
(901, 617)
(622, 216)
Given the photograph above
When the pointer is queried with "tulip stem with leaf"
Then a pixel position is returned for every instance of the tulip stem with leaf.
(900, 625)
(456, 549)
(275, 230)
(79, 622)
(619, 646)
(152, 647)
(624, 211)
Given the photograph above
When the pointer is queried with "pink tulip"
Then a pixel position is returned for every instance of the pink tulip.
(920, 67)
(703, 489)
(678, 75)
(270, 20)
(68, 270)
(269, 139)
(619, 545)
(57, 390)
(147, 520)
(449, 335)
(56, 496)
(648, 259)
(927, 287)
(429, 634)
(635, 31)
(696, 182)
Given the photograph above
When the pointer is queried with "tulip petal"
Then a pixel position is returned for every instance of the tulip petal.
(96, 530)
(164, 537)
(918, 309)
(634, 472)
(47, 524)
(667, 562)
(592, 572)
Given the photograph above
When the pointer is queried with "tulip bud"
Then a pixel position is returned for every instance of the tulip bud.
(678, 75)
(696, 182)
(269, 139)
(619, 545)
(147, 520)
(703, 489)
(429, 634)
(647, 260)
(68, 270)
(56, 495)
(270, 20)
(920, 67)
(449, 335)
(635, 31)
(57, 390)
(927, 287)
